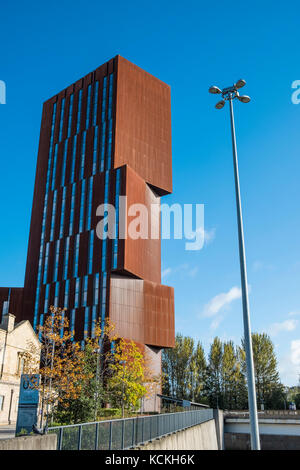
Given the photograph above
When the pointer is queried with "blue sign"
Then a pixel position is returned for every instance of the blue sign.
(28, 402)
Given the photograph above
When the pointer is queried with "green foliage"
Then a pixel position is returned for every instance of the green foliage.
(24, 432)
(221, 381)
(297, 400)
(110, 412)
(184, 369)
(268, 388)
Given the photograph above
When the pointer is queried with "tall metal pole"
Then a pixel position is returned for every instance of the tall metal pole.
(255, 441)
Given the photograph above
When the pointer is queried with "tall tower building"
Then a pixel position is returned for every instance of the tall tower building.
(105, 136)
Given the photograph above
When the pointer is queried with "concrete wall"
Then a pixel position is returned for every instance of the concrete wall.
(241, 441)
(46, 442)
(201, 437)
(280, 426)
(219, 421)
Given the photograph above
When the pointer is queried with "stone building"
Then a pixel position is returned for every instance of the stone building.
(19, 353)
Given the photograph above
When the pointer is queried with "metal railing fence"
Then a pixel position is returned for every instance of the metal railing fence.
(126, 433)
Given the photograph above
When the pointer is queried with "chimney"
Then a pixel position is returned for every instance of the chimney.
(8, 322)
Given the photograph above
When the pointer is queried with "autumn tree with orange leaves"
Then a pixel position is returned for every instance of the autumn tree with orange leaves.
(61, 370)
(78, 380)
(72, 377)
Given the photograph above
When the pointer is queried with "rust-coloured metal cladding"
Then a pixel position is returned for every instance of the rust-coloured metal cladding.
(143, 125)
(142, 311)
(142, 256)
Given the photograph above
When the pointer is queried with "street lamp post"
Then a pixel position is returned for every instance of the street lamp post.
(229, 94)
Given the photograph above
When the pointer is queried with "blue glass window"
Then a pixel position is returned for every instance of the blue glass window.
(46, 304)
(88, 107)
(62, 215)
(91, 250)
(103, 264)
(72, 209)
(62, 112)
(79, 111)
(82, 207)
(83, 143)
(37, 297)
(72, 322)
(86, 321)
(103, 296)
(70, 114)
(103, 138)
(56, 261)
(46, 264)
(109, 144)
(77, 292)
(67, 292)
(54, 167)
(53, 215)
(84, 290)
(95, 147)
(73, 158)
(103, 114)
(115, 241)
(56, 295)
(90, 203)
(66, 257)
(110, 95)
(63, 173)
(76, 256)
(96, 289)
(95, 102)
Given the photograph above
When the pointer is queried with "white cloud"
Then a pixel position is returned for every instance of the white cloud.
(166, 272)
(193, 271)
(289, 365)
(294, 313)
(208, 235)
(183, 269)
(295, 352)
(259, 265)
(216, 322)
(287, 325)
(220, 301)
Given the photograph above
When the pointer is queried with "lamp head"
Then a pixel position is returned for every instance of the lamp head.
(244, 98)
(214, 90)
(220, 104)
(240, 83)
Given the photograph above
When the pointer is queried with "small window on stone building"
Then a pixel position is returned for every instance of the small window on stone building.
(1, 402)
(21, 362)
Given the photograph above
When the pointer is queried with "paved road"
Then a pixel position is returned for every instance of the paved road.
(7, 431)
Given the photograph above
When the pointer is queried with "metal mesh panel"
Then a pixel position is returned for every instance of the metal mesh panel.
(70, 438)
(116, 442)
(129, 427)
(103, 436)
(88, 437)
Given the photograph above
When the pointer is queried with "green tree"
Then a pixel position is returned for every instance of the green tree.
(198, 370)
(268, 387)
(214, 374)
(176, 366)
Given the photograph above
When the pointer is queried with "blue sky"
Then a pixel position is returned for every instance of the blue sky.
(189, 45)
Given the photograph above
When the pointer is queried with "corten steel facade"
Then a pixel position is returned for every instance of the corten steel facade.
(105, 136)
